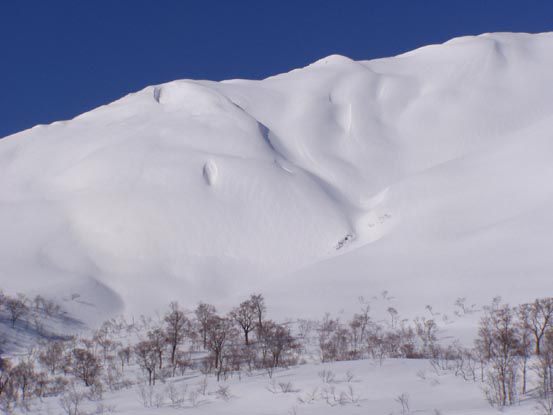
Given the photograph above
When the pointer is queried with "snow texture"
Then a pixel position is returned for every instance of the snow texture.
(428, 174)
(358, 387)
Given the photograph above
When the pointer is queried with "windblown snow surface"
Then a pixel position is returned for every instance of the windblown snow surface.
(428, 174)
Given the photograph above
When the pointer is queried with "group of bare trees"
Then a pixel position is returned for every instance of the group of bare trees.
(28, 311)
(512, 339)
(203, 339)
(362, 337)
(242, 338)
(15, 307)
(21, 382)
(512, 342)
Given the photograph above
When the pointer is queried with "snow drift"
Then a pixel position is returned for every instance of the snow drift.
(428, 174)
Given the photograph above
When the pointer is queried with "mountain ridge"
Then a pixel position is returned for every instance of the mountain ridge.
(204, 190)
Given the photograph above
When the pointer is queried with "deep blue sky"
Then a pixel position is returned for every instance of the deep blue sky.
(61, 58)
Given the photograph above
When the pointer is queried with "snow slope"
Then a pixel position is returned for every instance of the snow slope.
(372, 389)
(428, 174)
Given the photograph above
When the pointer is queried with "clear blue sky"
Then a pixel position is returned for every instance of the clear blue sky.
(62, 58)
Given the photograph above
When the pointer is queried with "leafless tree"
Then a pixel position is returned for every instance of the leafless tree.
(7, 390)
(124, 355)
(176, 326)
(218, 334)
(525, 340)
(245, 316)
(394, 316)
(147, 358)
(503, 350)
(205, 313)
(16, 308)
(540, 319)
(23, 377)
(182, 362)
(279, 341)
(427, 331)
(43, 305)
(359, 326)
(102, 338)
(223, 392)
(545, 405)
(52, 356)
(403, 400)
(544, 367)
(257, 301)
(406, 341)
(329, 341)
(376, 347)
(85, 366)
(72, 399)
(485, 339)
(158, 341)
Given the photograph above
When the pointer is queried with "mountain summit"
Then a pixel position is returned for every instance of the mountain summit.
(429, 174)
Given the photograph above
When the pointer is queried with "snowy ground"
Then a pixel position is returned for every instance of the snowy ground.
(373, 389)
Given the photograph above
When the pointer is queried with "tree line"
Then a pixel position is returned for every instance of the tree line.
(511, 342)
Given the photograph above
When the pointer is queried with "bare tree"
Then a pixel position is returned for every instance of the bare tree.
(406, 340)
(279, 340)
(158, 341)
(124, 355)
(102, 338)
(205, 313)
(502, 344)
(427, 332)
(258, 303)
(525, 340)
(176, 326)
(16, 308)
(359, 326)
(218, 334)
(6, 383)
(23, 377)
(147, 358)
(545, 406)
(85, 366)
(71, 400)
(52, 356)
(245, 316)
(43, 305)
(394, 316)
(484, 341)
(540, 319)
(376, 345)
(327, 339)
(544, 367)
(403, 400)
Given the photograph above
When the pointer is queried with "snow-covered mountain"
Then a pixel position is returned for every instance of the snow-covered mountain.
(428, 174)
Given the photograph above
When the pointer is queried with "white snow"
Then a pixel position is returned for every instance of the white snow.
(372, 389)
(210, 172)
(432, 172)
